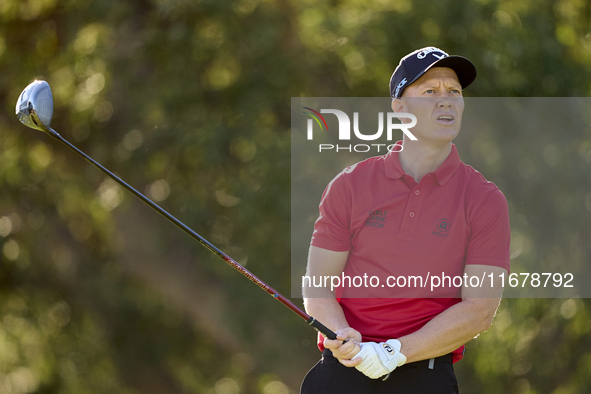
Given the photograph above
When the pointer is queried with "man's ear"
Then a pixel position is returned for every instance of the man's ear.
(398, 105)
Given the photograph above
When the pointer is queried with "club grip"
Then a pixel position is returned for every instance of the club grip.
(327, 332)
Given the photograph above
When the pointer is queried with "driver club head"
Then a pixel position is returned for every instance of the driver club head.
(34, 107)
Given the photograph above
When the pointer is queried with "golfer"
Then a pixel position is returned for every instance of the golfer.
(436, 215)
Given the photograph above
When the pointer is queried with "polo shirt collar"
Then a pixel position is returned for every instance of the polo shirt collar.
(443, 173)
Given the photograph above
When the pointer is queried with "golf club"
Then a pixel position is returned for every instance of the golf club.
(34, 108)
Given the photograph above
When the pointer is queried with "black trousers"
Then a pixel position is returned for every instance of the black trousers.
(329, 376)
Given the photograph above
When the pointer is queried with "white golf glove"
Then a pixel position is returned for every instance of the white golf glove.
(380, 359)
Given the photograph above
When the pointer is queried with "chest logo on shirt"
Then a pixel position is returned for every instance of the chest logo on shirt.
(376, 218)
(442, 227)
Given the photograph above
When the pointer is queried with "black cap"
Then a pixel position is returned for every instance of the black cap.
(415, 64)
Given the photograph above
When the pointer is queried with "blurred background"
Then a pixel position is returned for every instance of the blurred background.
(189, 102)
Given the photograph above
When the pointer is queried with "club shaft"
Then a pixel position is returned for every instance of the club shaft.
(208, 245)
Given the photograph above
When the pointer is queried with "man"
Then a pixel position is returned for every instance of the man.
(439, 216)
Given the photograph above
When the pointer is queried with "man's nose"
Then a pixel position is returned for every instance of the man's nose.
(444, 100)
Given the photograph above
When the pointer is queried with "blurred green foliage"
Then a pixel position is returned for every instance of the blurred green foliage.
(189, 101)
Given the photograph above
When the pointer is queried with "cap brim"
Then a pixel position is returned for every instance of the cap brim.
(464, 68)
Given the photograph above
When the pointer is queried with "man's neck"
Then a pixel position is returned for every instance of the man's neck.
(417, 159)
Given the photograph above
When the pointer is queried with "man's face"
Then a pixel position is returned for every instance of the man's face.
(436, 100)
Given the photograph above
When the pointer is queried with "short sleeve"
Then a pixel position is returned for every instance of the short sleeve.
(490, 232)
(332, 228)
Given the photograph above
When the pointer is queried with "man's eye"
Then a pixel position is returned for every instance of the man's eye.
(429, 91)
(456, 91)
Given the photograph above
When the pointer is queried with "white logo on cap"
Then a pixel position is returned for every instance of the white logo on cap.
(400, 85)
(430, 50)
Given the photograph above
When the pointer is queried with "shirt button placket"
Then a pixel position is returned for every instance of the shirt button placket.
(408, 224)
(412, 213)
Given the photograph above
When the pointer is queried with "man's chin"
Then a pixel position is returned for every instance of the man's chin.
(445, 135)
(440, 137)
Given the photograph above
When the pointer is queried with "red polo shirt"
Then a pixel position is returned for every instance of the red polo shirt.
(394, 226)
